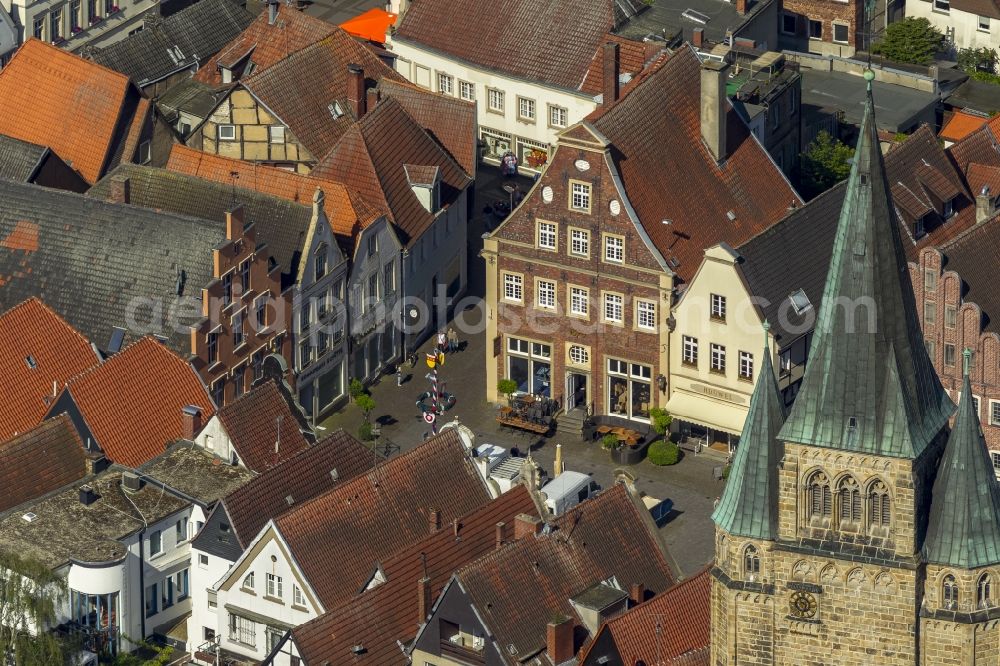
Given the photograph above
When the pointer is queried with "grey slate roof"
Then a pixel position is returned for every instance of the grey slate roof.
(964, 525)
(280, 224)
(749, 503)
(869, 386)
(192, 97)
(19, 159)
(184, 40)
(791, 255)
(217, 536)
(91, 261)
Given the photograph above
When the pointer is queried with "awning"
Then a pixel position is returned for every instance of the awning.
(371, 25)
(707, 412)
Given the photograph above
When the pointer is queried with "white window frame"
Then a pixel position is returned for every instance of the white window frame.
(613, 311)
(495, 101)
(995, 458)
(545, 294)
(746, 365)
(578, 354)
(467, 90)
(579, 296)
(445, 84)
(810, 26)
(983, 24)
(276, 134)
(513, 287)
(943, 6)
(614, 249)
(249, 581)
(158, 535)
(645, 314)
(994, 412)
(579, 242)
(718, 304)
(298, 598)
(227, 133)
(689, 350)
(718, 358)
(580, 196)
(274, 586)
(558, 116)
(526, 109)
(547, 235)
(242, 630)
(833, 34)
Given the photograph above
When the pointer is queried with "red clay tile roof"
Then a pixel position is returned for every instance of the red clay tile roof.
(135, 129)
(960, 125)
(302, 477)
(262, 428)
(981, 175)
(975, 256)
(339, 537)
(380, 617)
(979, 147)
(267, 44)
(340, 208)
(451, 121)
(43, 87)
(59, 352)
(372, 157)
(132, 402)
(371, 25)
(610, 535)
(631, 58)
(670, 625)
(300, 88)
(39, 461)
(660, 116)
(517, 37)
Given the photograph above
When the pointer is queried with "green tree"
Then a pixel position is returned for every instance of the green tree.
(146, 654)
(366, 404)
(661, 420)
(355, 388)
(825, 163)
(663, 452)
(977, 60)
(505, 387)
(912, 40)
(29, 595)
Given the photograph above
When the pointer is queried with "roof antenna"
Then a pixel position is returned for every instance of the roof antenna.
(966, 361)
(234, 176)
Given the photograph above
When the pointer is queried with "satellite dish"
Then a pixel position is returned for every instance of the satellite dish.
(547, 194)
(615, 207)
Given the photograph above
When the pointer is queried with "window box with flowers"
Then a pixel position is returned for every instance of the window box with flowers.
(114, 9)
(94, 20)
(536, 158)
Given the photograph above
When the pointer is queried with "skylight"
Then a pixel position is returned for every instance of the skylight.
(800, 302)
(697, 17)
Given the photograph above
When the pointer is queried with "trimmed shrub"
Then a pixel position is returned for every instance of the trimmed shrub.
(610, 442)
(661, 420)
(365, 432)
(663, 452)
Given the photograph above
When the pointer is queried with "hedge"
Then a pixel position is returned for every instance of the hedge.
(663, 452)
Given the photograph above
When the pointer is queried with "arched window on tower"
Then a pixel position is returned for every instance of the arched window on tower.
(820, 499)
(849, 504)
(751, 562)
(879, 508)
(949, 592)
(984, 591)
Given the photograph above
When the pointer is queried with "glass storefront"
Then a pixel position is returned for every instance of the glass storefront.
(496, 143)
(529, 364)
(629, 389)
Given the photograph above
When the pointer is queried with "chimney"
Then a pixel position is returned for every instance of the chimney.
(87, 495)
(559, 640)
(637, 593)
(612, 66)
(272, 12)
(357, 97)
(120, 190)
(234, 223)
(698, 37)
(435, 520)
(499, 533)
(984, 205)
(741, 7)
(455, 526)
(525, 525)
(713, 107)
(190, 422)
(423, 599)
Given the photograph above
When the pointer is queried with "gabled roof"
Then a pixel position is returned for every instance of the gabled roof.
(449, 120)
(342, 210)
(516, 38)
(34, 335)
(372, 158)
(262, 427)
(671, 625)
(303, 476)
(338, 537)
(280, 224)
(19, 160)
(631, 60)
(300, 88)
(42, 84)
(975, 256)
(960, 125)
(132, 402)
(607, 536)
(381, 618)
(982, 175)
(793, 255)
(869, 386)
(371, 25)
(266, 44)
(43, 459)
(660, 116)
(749, 503)
(178, 42)
(91, 261)
(964, 525)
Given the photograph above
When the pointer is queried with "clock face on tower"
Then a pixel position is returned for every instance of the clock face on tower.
(803, 605)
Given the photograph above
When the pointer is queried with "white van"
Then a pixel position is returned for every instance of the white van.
(567, 490)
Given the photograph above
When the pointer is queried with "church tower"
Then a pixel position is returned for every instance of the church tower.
(849, 476)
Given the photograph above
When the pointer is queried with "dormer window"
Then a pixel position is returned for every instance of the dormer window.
(919, 228)
(949, 209)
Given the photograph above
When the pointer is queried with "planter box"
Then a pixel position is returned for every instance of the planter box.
(628, 455)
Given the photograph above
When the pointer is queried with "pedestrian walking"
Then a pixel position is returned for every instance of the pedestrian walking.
(399, 376)
(442, 341)
(452, 341)
(413, 360)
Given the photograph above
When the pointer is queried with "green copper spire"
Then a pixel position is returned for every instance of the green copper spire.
(964, 526)
(869, 385)
(749, 503)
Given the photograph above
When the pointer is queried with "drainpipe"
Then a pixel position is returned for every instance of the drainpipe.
(142, 581)
(403, 255)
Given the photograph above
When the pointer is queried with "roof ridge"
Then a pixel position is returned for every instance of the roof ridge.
(36, 300)
(114, 358)
(56, 49)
